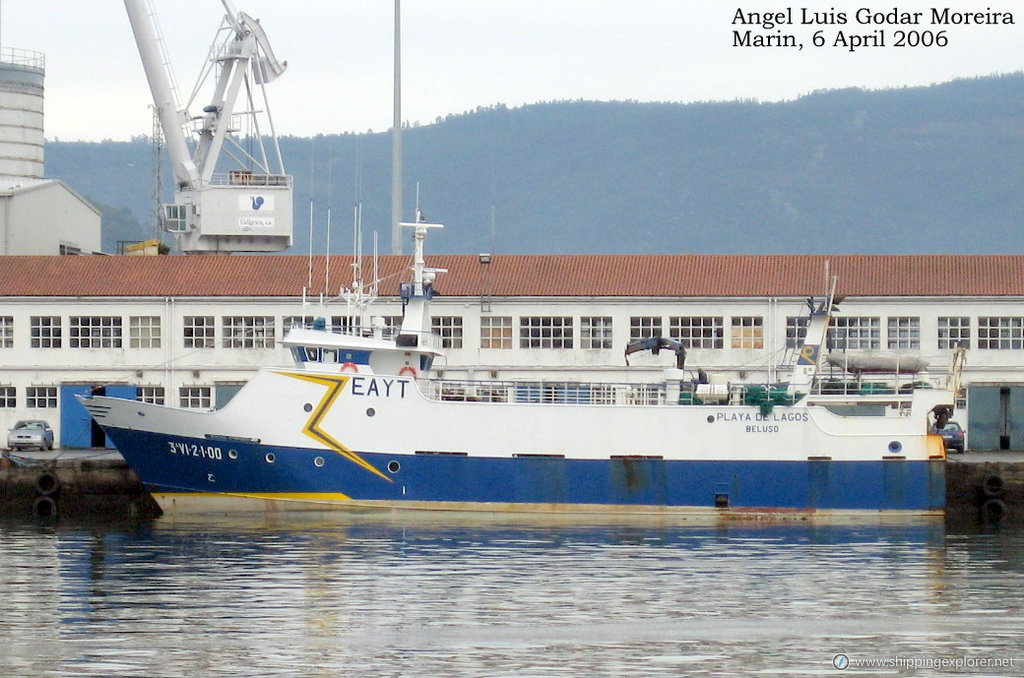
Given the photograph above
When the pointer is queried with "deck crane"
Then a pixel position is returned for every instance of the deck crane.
(247, 208)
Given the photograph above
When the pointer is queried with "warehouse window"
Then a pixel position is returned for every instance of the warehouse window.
(102, 331)
(644, 327)
(198, 331)
(855, 333)
(596, 332)
(747, 332)
(796, 330)
(299, 322)
(195, 397)
(904, 333)
(545, 332)
(41, 397)
(151, 394)
(1000, 333)
(45, 331)
(248, 331)
(697, 331)
(144, 331)
(450, 329)
(495, 332)
(347, 324)
(954, 332)
(6, 332)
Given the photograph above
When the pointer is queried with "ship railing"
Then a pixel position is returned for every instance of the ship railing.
(880, 385)
(418, 339)
(347, 330)
(655, 393)
(404, 338)
(546, 392)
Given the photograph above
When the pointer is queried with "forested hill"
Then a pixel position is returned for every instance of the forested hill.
(935, 169)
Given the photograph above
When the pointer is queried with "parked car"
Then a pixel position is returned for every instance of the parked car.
(30, 433)
(952, 436)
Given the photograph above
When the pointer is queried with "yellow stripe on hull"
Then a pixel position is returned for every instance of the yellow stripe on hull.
(275, 502)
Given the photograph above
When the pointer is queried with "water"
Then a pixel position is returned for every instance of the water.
(435, 596)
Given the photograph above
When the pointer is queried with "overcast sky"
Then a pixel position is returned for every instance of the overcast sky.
(460, 54)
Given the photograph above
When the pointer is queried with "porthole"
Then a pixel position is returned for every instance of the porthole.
(308, 407)
(711, 419)
(318, 462)
(895, 447)
(271, 458)
(232, 454)
(370, 411)
(394, 466)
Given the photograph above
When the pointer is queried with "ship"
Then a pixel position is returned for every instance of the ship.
(361, 421)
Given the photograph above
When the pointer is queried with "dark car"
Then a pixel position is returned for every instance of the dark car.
(952, 436)
(30, 433)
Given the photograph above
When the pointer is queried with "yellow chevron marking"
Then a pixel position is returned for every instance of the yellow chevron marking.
(335, 385)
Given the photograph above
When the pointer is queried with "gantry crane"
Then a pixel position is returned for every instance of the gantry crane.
(243, 208)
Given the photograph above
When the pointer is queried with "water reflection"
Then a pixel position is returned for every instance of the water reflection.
(319, 595)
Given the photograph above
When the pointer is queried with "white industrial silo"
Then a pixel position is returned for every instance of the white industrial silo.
(21, 113)
(37, 215)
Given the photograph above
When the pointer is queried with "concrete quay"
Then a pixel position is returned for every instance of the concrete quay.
(985, 487)
(92, 484)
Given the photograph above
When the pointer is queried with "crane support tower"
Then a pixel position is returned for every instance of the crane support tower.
(245, 204)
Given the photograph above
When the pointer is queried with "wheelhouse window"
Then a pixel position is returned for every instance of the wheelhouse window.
(954, 331)
(596, 332)
(495, 332)
(144, 331)
(45, 331)
(545, 332)
(1000, 332)
(697, 331)
(247, 331)
(747, 332)
(198, 331)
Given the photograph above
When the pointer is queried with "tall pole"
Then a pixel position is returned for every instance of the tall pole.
(396, 140)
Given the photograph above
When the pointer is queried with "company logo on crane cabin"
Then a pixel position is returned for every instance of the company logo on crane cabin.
(254, 203)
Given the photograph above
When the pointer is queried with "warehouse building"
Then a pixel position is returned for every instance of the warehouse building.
(190, 331)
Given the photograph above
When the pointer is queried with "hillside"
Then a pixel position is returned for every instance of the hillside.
(918, 170)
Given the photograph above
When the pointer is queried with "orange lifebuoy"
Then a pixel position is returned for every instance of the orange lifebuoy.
(408, 369)
(349, 367)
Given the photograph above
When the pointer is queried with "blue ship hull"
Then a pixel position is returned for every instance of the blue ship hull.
(185, 467)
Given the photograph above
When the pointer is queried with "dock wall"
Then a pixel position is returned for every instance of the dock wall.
(103, 489)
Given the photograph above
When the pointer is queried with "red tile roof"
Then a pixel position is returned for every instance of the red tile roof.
(682, 275)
